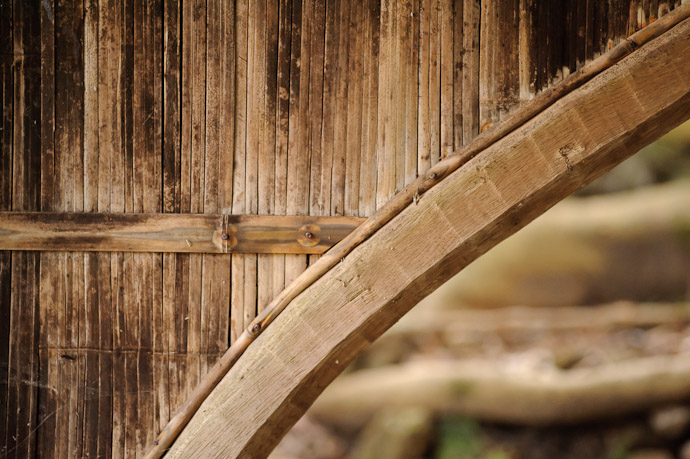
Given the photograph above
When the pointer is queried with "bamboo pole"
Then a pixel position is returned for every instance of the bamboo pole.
(410, 194)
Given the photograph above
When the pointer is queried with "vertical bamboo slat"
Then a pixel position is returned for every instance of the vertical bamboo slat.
(316, 111)
(237, 300)
(298, 124)
(368, 161)
(6, 152)
(266, 127)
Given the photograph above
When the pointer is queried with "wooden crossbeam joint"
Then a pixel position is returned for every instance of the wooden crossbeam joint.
(183, 233)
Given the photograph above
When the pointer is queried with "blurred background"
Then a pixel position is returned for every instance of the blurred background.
(569, 340)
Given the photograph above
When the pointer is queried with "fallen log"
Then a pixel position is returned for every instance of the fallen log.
(496, 391)
(601, 317)
(570, 333)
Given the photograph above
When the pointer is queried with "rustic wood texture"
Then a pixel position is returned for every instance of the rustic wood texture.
(283, 107)
(568, 145)
(181, 233)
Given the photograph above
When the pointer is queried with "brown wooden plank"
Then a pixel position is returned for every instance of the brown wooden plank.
(169, 339)
(281, 130)
(367, 189)
(27, 109)
(122, 181)
(316, 114)
(262, 126)
(435, 20)
(239, 202)
(119, 419)
(458, 52)
(255, 93)
(129, 327)
(146, 195)
(106, 382)
(322, 165)
(398, 65)
(527, 50)
(269, 265)
(193, 319)
(338, 107)
(5, 315)
(353, 132)
(184, 233)
(24, 152)
(47, 107)
(69, 107)
(89, 342)
(446, 77)
(385, 185)
(143, 269)
(227, 99)
(215, 298)
(48, 354)
(168, 333)
(110, 108)
(180, 287)
(91, 109)
(490, 42)
(23, 376)
(510, 183)
(299, 126)
(409, 47)
(76, 376)
(71, 381)
(470, 74)
(7, 115)
(322, 154)
(147, 108)
(423, 130)
(171, 106)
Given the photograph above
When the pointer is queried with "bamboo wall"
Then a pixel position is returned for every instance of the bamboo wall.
(206, 106)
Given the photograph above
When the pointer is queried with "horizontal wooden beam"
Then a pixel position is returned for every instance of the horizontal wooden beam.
(493, 195)
(192, 233)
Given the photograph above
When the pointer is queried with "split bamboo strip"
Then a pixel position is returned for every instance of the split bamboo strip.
(398, 203)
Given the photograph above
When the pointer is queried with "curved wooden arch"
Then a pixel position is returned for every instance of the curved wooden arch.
(495, 194)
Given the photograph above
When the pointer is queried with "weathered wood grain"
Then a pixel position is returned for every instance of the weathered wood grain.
(159, 106)
(238, 303)
(509, 184)
(368, 159)
(24, 148)
(385, 146)
(6, 146)
(182, 233)
(470, 75)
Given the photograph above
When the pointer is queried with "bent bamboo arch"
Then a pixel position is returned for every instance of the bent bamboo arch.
(568, 145)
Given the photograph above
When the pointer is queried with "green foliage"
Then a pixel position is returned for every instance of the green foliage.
(459, 438)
